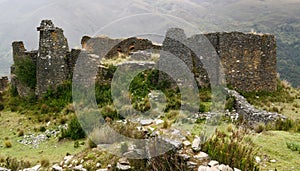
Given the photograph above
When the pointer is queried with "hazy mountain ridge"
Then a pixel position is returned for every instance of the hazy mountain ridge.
(79, 18)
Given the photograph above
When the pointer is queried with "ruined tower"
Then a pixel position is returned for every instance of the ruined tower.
(51, 66)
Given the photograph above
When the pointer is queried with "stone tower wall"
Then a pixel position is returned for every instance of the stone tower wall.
(249, 60)
(53, 49)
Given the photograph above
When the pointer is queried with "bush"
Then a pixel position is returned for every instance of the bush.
(76, 144)
(259, 127)
(293, 146)
(20, 133)
(7, 144)
(74, 130)
(1, 106)
(91, 144)
(42, 129)
(232, 149)
(230, 103)
(283, 125)
(45, 163)
(14, 164)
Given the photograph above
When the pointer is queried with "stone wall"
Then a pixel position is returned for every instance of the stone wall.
(51, 65)
(176, 43)
(20, 53)
(248, 60)
(249, 113)
(3, 83)
(110, 48)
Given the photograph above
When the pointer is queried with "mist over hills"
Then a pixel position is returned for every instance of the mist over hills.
(78, 18)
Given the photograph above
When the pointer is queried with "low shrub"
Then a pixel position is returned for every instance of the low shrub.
(232, 149)
(45, 163)
(284, 125)
(42, 129)
(294, 146)
(14, 164)
(259, 127)
(76, 144)
(1, 106)
(20, 133)
(230, 103)
(74, 130)
(91, 144)
(7, 144)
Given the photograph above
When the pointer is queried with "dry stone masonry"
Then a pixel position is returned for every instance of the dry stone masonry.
(3, 83)
(249, 113)
(249, 60)
(51, 66)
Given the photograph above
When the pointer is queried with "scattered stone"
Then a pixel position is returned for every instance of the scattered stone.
(201, 156)
(186, 143)
(273, 161)
(67, 159)
(124, 161)
(158, 121)
(4, 169)
(214, 169)
(56, 167)
(185, 157)
(203, 168)
(223, 167)
(213, 163)
(235, 169)
(102, 170)
(146, 122)
(123, 164)
(79, 168)
(191, 165)
(35, 168)
(257, 159)
(196, 144)
(98, 165)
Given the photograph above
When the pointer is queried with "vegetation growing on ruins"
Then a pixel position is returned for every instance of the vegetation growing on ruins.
(25, 71)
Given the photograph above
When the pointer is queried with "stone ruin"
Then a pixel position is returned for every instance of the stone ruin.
(3, 83)
(249, 60)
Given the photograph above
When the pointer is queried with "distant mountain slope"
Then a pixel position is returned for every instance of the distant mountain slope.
(78, 18)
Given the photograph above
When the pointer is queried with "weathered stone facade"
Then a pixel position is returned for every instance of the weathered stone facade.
(110, 48)
(51, 65)
(249, 60)
(19, 54)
